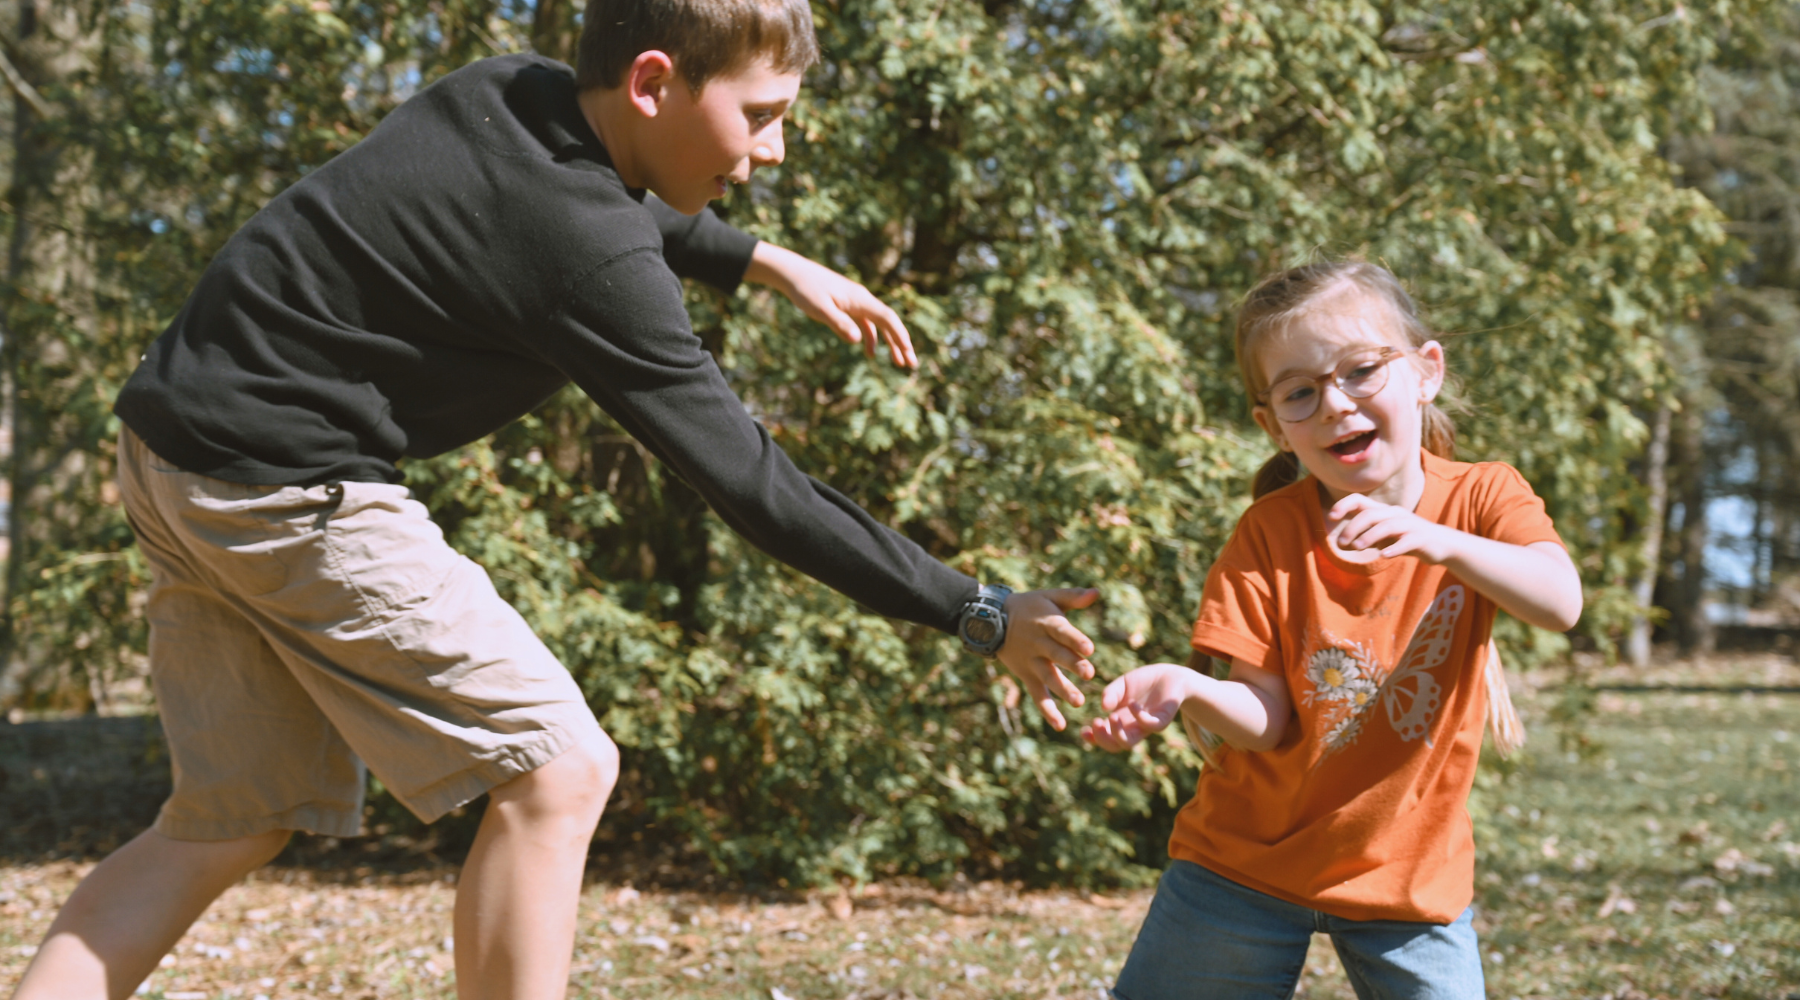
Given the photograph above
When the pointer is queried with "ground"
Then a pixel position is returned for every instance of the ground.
(1662, 860)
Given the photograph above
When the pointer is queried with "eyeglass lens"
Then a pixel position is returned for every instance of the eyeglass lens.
(1359, 376)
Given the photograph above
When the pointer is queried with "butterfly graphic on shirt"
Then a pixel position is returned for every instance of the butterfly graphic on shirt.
(1344, 676)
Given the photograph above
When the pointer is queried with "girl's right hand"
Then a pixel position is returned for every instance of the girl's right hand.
(1142, 702)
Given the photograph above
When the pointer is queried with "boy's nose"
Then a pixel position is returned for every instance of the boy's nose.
(771, 150)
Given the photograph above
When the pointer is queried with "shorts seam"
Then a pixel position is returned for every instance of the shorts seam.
(453, 791)
(312, 819)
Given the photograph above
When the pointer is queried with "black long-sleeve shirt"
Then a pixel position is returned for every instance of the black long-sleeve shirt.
(449, 273)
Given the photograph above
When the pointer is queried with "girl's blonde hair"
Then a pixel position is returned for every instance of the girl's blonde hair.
(1280, 299)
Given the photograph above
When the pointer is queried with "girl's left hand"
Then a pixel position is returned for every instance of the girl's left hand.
(1358, 524)
(1142, 702)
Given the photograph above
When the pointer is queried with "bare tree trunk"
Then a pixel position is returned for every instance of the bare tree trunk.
(51, 301)
(1688, 613)
(553, 29)
(1656, 477)
(19, 202)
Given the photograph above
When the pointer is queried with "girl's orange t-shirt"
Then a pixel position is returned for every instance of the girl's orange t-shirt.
(1361, 811)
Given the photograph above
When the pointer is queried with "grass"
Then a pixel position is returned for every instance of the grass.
(1661, 862)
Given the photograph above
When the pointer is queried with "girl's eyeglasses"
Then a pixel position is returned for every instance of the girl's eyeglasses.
(1360, 376)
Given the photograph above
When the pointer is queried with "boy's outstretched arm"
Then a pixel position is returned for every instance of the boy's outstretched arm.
(850, 310)
(1249, 709)
(1537, 583)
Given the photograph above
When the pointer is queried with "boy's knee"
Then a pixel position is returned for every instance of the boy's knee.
(600, 758)
(575, 784)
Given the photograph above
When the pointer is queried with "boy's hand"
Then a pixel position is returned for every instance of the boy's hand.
(1142, 702)
(1357, 523)
(852, 311)
(1040, 642)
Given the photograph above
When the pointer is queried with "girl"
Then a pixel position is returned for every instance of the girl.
(1354, 604)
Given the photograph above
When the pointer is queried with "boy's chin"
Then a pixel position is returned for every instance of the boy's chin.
(685, 203)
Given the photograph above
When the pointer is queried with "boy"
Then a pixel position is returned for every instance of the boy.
(488, 242)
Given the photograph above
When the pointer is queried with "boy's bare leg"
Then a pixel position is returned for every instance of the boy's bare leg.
(132, 908)
(516, 901)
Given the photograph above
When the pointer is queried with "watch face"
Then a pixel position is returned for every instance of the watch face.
(980, 631)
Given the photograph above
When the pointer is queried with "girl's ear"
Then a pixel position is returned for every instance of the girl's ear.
(1265, 418)
(1431, 370)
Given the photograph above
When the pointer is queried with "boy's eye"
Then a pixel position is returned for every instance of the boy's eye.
(1296, 393)
(1362, 371)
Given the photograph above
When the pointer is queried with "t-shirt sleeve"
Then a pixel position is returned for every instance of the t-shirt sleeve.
(1237, 609)
(702, 246)
(1507, 510)
(625, 339)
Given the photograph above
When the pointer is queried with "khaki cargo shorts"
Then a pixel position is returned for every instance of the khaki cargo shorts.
(299, 633)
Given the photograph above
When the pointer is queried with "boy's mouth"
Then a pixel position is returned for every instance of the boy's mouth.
(1353, 446)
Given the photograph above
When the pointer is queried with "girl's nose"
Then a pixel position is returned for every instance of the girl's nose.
(1334, 400)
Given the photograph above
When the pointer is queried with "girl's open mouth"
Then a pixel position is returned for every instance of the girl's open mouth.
(1353, 447)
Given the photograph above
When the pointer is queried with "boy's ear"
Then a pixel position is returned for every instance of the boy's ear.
(1431, 370)
(648, 81)
(1265, 418)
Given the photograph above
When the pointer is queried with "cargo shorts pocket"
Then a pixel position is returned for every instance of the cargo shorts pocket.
(251, 538)
(384, 545)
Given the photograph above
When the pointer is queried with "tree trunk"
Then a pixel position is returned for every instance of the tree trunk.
(1692, 631)
(553, 29)
(19, 201)
(1656, 478)
(52, 310)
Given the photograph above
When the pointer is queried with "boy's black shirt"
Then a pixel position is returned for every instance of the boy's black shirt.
(449, 273)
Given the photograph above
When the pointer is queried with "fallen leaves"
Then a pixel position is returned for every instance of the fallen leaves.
(1616, 902)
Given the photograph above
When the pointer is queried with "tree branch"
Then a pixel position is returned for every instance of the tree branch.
(24, 89)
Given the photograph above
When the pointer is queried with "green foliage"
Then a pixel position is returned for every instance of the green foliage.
(1063, 201)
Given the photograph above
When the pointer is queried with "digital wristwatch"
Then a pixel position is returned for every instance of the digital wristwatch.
(982, 624)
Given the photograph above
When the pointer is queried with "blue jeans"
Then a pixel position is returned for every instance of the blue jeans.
(1208, 937)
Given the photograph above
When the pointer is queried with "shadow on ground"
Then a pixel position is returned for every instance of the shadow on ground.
(77, 789)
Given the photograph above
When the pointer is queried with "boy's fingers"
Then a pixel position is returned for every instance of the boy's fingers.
(840, 323)
(1072, 598)
(1061, 684)
(1076, 647)
(893, 331)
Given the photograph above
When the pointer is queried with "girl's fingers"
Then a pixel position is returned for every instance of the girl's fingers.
(1346, 506)
(1113, 696)
(1148, 719)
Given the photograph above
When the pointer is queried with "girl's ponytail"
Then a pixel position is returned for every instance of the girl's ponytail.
(1282, 470)
(1438, 433)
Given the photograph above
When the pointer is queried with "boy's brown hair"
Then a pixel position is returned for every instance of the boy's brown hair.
(705, 38)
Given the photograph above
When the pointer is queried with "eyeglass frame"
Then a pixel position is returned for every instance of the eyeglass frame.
(1388, 355)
